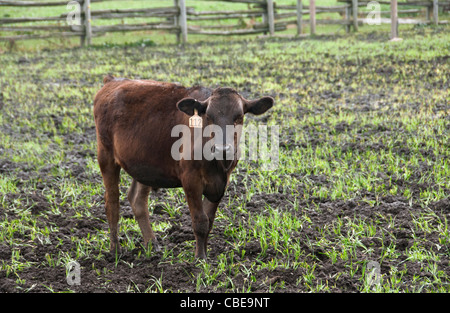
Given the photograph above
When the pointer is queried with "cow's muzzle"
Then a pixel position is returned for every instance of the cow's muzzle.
(223, 151)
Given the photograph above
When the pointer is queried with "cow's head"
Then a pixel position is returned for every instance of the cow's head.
(225, 107)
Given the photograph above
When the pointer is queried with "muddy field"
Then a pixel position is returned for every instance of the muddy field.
(363, 175)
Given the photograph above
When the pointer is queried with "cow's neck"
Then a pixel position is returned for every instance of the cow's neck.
(217, 178)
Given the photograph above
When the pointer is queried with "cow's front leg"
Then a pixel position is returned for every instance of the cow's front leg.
(210, 209)
(200, 221)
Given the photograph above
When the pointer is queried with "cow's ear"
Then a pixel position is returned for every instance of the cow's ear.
(187, 105)
(258, 106)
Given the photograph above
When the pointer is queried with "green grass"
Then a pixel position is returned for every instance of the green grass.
(363, 124)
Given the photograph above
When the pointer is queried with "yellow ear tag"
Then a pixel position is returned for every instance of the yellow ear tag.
(195, 121)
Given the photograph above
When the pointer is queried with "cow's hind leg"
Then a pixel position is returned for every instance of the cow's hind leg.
(111, 174)
(138, 197)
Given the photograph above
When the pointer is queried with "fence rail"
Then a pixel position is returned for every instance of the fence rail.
(431, 9)
(181, 19)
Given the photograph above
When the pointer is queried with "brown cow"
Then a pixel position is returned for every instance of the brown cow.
(134, 120)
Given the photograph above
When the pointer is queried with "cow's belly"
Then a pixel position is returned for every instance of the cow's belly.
(146, 159)
(152, 176)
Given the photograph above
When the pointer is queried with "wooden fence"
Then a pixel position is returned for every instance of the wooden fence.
(78, 20)
(431, 12)
(267, 17)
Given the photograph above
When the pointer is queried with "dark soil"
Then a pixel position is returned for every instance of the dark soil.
(178, 276)
(100, 272)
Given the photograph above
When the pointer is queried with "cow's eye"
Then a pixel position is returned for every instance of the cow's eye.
(239, 119)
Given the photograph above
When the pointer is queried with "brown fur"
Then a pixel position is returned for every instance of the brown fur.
(134, 119)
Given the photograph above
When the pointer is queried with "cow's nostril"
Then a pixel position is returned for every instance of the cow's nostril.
(222, 148)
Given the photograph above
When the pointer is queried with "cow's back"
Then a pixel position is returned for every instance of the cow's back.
(134, 119)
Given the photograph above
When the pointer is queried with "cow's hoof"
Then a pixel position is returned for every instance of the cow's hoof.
(201, 257)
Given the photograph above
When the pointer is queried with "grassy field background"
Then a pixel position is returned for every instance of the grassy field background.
(363, 175)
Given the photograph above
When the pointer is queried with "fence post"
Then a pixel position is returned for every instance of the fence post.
(175, 21)
(270, 17)
(86, 24)
(299, 17)
(182, 21)
(355, 14)
(82, 25)
(347, 17)
(312, 16)
(394, 19)
(436, 12)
